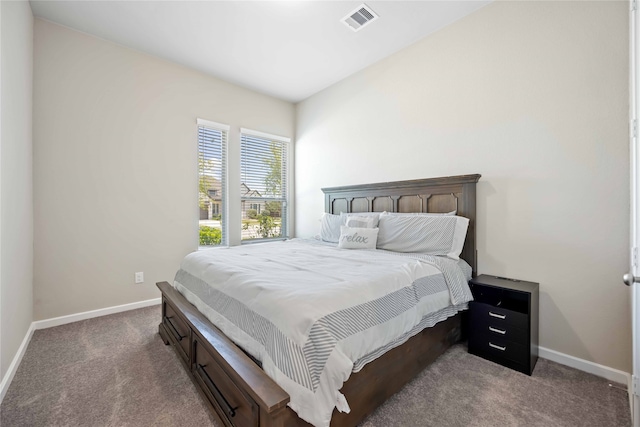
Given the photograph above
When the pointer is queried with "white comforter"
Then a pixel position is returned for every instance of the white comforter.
(309, 312)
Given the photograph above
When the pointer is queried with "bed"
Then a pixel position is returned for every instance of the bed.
(240, 393)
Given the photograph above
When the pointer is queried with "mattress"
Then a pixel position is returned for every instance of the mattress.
(312, 313)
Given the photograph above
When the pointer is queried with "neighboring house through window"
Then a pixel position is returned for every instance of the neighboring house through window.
(212, 159)
(264, 193)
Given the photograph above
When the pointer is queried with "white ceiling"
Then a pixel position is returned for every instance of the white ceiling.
(286, 49)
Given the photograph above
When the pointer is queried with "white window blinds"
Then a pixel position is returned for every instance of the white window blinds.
(264, 195)
(212, 160)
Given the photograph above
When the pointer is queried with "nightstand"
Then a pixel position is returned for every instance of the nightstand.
(503, 321)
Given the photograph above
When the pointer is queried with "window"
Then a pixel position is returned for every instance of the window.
(212, 159)
(264, 192)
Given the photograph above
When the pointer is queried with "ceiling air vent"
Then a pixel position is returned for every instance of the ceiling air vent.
(360, 17)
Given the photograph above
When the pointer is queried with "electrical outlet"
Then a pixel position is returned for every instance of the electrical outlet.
(139, 277)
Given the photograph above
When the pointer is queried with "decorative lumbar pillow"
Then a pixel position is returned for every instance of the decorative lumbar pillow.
(330, 227)
(357, 238)
(426, 234)
(374, 215)
(360, 221)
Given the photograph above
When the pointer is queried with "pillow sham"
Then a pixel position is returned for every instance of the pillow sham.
(374, 215)
(426, 234)
(357, 238)
(359, 221)
(330, 227)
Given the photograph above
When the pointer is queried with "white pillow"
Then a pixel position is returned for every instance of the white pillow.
(426, 234)
(359, 221)
(330, 227)
(357, 238)
(374, 215)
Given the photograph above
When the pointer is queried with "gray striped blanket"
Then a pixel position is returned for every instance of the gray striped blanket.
(313, 313)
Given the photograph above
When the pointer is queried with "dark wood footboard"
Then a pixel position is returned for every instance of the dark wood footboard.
(240, 394)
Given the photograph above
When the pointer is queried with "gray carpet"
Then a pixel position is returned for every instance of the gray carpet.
(115, 371)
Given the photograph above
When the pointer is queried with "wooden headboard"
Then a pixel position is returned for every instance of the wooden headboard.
(434, 195)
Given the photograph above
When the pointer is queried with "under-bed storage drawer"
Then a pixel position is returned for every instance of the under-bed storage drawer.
(234, 407)
(179, 332)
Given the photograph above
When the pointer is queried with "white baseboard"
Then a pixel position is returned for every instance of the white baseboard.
(606, 372)
(13, 368)
(62, 320)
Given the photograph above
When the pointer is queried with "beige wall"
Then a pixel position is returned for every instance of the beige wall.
(533, 96)
(115, 158)
(16, 195)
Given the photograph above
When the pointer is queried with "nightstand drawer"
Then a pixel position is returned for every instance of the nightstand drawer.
(492, 346)
(481, 312)
(492, 330)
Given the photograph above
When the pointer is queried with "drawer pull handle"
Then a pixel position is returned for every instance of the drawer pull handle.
(496, 315)
(497, 347)
(499, 331)
(216, 393)
(175, 330)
